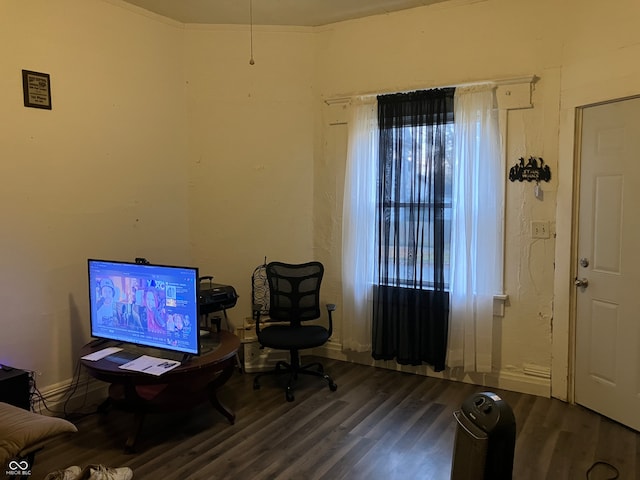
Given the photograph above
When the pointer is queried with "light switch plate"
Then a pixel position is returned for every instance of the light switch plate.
(540, 230)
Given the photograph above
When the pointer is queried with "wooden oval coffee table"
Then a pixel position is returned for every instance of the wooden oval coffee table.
(184, 387)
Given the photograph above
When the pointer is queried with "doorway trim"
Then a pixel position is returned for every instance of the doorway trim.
(563, 342)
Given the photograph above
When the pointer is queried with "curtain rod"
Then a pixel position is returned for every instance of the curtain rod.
(344, 99)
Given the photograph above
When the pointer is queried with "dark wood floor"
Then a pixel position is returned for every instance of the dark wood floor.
(379, 424)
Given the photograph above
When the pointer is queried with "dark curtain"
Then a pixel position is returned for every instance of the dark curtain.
(411, 304)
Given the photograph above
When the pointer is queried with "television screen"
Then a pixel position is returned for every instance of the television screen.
(151, 305)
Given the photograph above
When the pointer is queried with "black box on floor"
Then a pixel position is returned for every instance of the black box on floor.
(14, 387)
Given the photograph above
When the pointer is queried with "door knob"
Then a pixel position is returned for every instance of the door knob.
(581, 282)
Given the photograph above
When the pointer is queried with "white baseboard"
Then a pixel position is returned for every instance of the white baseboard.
(506, 380)
(535, 382)
(523, 383)
(87, 392)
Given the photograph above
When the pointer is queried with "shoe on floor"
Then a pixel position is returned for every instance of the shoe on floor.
(69, 473)
(100, 472)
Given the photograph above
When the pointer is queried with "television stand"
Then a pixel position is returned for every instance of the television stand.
(182, 388)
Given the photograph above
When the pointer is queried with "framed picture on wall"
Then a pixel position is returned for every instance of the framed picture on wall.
(36, 88)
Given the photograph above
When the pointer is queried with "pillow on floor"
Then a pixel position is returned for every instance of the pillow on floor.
(22, 431)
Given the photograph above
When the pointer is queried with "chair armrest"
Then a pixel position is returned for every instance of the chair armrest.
(257, 308)
(331, 307)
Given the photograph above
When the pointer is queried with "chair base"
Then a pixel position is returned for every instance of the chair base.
(294, 369)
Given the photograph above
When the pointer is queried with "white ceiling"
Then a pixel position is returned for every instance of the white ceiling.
(274, 12)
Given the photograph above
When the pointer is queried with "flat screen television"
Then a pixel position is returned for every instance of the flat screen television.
(140, 303)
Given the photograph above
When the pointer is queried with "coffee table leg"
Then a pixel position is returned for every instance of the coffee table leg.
(215, 384)
(138, 420)
(222, 409)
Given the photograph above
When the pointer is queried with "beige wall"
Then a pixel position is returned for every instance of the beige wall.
(251, 158)
(600, 62)
(452, 44)
(154, 120)
(101, 175)
(582, 52)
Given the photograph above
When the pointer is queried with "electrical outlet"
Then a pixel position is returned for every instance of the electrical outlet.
(540, 230)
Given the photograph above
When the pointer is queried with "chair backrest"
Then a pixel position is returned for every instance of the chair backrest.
(294, 291)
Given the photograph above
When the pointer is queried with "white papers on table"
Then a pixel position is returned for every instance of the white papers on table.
(105, 352)
(150, 365)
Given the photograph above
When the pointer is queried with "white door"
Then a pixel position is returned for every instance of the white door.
(608, 272)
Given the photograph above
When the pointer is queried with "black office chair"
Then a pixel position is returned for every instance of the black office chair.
(294, 293)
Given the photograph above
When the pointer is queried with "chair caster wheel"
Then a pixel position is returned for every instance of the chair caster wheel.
(290, 397)
(256, 386)
(333, 387)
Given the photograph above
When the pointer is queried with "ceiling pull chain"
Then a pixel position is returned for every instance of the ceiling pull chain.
(251, 61)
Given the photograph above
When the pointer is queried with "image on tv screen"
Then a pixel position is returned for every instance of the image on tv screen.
(150, 305)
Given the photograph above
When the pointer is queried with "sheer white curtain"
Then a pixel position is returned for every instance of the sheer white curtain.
(476, 236)
(358, 224)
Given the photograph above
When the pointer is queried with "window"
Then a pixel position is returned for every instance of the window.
(424, 290)
(414, 188)
(411, 211)
(410, 301)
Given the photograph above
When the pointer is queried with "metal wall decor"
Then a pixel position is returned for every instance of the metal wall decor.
(533, 171)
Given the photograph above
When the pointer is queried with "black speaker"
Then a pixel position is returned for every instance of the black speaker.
(485, 439)
(15, 387)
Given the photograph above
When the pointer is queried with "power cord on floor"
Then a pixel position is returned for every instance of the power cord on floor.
(39, 403)
(613, 470)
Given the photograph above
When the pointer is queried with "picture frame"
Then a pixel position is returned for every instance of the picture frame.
(36, 88)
